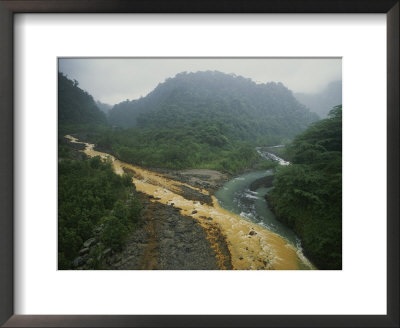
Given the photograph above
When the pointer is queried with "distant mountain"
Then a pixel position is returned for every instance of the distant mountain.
(234, 106)
(76, 106)
(105, 108)
(322, 102)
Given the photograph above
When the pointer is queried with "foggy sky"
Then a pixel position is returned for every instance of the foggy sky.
(114, 80)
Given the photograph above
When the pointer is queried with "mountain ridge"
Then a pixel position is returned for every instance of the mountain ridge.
(76, 106)
(218, 96)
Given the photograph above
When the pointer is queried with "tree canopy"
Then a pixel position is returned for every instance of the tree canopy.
(76, 106)
(91, 195)
(203, 120)
(237, 106)
(307, 195)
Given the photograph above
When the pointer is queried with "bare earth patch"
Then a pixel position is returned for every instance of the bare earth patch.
(210, 180)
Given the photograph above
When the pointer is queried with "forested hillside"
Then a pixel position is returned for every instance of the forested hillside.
(239, 107)
(94, 203)
(75, 106)
(203, 120)
(95, 206)
(307, 195)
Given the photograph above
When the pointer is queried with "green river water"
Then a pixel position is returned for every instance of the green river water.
(236, 197)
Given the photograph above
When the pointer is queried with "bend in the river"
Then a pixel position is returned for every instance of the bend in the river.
(251, 245)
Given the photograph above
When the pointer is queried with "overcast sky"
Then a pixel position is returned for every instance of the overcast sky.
(114, 80)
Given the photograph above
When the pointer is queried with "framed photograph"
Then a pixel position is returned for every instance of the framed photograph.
(206, 199)
(202, 159)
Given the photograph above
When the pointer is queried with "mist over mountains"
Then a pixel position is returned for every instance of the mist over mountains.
(235, 105)
(105, 108)
(205, 119)
(322, 102)
(76, 106)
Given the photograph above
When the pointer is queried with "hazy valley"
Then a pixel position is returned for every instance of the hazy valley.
(207, 171)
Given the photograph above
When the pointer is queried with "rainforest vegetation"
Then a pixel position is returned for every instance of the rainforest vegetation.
(198, 120)
(92, 200)
(195, 120)
(307, 195)
(76, 108)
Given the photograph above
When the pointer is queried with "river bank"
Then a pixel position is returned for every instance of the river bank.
(249, 245)
(166, 240)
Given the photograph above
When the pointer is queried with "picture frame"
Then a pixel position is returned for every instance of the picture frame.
(10, 7)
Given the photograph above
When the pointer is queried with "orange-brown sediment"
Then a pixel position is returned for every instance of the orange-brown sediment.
(260, 249)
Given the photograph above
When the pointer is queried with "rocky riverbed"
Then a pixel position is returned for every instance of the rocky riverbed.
(211, 180)
(166, 240)
(180, 229)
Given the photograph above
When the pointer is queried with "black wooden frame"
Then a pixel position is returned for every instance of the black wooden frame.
(7, 10)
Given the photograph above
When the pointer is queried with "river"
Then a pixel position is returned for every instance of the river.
(251, 245)
(237, 197)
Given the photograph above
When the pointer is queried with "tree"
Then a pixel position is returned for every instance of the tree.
(307, 195)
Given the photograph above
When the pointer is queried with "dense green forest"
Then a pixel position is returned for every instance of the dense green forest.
(194, 120)
(197, 120)
(93, 202)
(238, 106)
(77, 109)
(182, 148)
(203, 120)
(307, 195)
